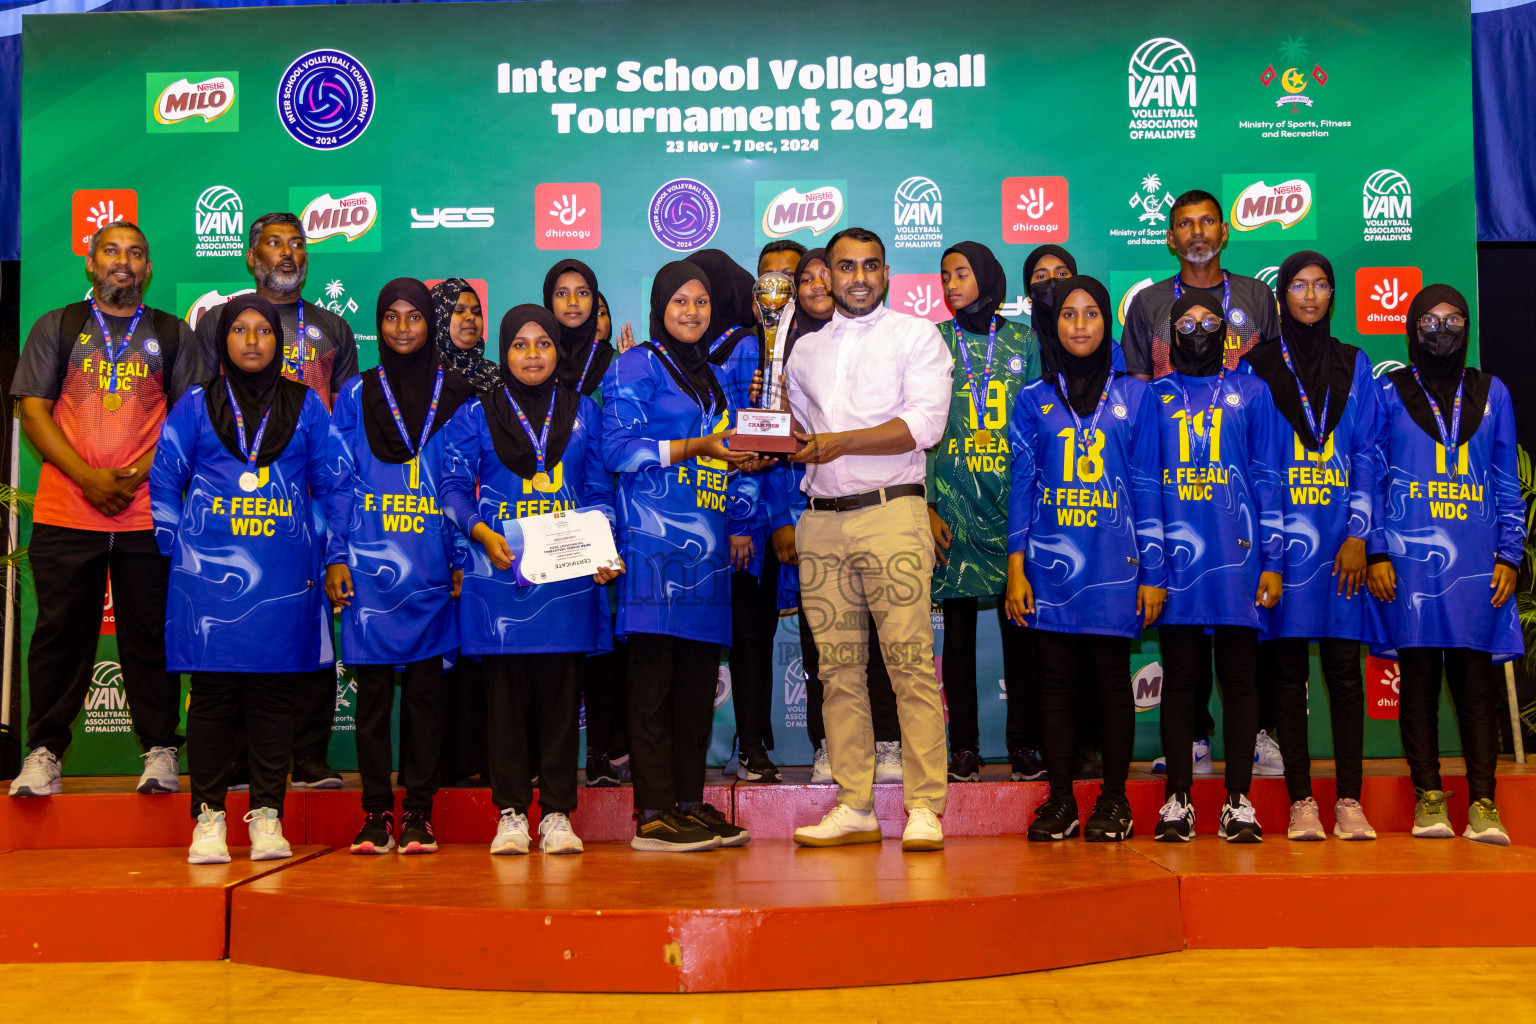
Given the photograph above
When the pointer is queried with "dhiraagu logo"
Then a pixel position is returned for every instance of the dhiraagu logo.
(191, 101)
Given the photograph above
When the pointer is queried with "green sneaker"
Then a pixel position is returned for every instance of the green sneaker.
(1429, 818)
(1483, 825)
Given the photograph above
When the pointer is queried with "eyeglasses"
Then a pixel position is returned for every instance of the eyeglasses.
(1454, 322)
(1321, 289)
(1186, 325)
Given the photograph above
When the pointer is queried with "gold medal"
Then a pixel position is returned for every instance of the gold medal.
(541, 481)
(983, 438)
(111, 401)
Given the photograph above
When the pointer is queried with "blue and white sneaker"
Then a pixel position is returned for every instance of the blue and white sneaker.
(1266, 756)
(1202, 756)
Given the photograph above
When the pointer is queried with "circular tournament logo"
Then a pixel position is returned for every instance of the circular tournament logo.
(152, 346)
(1015, 364)
(312, 332)
(1120, 412)
(325, 99)
(684, 214)
(1238, 317)
(1232, 399)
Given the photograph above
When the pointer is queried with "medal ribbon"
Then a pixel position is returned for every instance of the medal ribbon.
(297, 368)
(1316, 425)
(1447, 440)
(582, 380)
(115, 351)
(1085, 440)
(979, 399)
(1226, 291)
(1210, 417)
(540, 443)
(254, 449)
(709, 413)
(394, 410)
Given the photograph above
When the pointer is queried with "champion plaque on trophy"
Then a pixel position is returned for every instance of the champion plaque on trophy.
(766, 428)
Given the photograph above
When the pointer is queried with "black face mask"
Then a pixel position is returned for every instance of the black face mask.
(1442, 343)
(1038, 290)
(1201, 344)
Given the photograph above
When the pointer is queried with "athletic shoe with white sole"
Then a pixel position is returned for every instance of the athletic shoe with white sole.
(416, 834)
(557, 836)
(40, 775)
(670, 832)
(266, 829)
(821, 767)
(1025, 765)
(159, 771)
(1483, 825)
(1266, 756)
(1110, 821)
(1054, 820)
(966, 767)
(1203, 764)
(511, 834)
(1430, 820)
(313, 773)
(1349, 821)
(1239, 822)
(754, 765)
(706, 816)
(842, 826)
(888, 761)
(1175, 820)
(923, 833)
(208, 844)
(377, 834)
(1306, 825)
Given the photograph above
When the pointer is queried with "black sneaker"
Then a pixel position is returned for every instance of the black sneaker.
(377, 834)
(313, 773)
(667, 832)
(621, 765)
(1090, 764)
(1176, 820)
(1027, 765)
(1110, 821)
(1055, 820)
(600, 772)
(706, 816)
(754, 765)
(416, 833)
(966, 767)
(1239, 824)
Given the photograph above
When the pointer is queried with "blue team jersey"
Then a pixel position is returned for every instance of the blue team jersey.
(496, 615)
(1443, 525)
(672, 519)
(247, 585)
(1223, 519)
(1090, 524)
(1327, 498)
(394, 540)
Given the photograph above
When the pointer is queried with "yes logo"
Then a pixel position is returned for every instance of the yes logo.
(1381, 298)
(182, 101)
(921, 295)
(339, 218)
(567, 215)
(1035, 210)
(95, 208)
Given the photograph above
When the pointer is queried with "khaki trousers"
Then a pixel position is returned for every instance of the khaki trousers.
(879, 561)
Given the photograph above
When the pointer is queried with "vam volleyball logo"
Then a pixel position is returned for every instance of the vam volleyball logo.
(1264, 206)
(684, 214)
(191, 101)
(918, 212)
(1161, 90)
(325, 99)
(219, 218)
(106, 703)
(1387, 205)
(344, 214)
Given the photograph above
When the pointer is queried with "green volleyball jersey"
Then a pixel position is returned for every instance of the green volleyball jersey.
(967, 476)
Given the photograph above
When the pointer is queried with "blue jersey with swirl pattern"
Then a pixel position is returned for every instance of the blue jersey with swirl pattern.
(672, 519)
(1443, 526)
(246, 587)
(1223, 522)
(496, 615)
(394, 539)
(1091, 525)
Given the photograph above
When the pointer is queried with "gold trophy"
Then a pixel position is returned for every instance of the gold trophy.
(766, 428)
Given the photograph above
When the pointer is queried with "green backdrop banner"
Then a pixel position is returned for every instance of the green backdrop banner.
(486, 141)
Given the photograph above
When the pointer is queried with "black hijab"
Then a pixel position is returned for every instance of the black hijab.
(411, 380)
(1441, 373)
(1323, 363)
(470, 363)
(804, 322)
(1040, 292)
(1200, 354)
(256, 392)
(1085, 374)
(511, 441)
(575, 344)
(731, 312)
(991, 287)
(691, 358)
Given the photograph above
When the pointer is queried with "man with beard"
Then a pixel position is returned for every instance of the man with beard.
(320, 353)
(95, 381)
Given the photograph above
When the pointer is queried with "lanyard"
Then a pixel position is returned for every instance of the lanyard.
(394, 410)
(1210, 416)
(1317, 425)
(297, 368)
(248, 478)
(115, 351)
(1085, 439)
(540, 443)
(1447, 440)
(979, 399)
(709, 413)
(1226, 291)
(582, 380)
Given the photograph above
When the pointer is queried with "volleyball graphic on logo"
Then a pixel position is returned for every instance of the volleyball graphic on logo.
(1162, 56)
(684, 214)
(325, 99)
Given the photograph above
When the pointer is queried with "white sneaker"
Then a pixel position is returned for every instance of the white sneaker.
(208, 845)
(888, 761)
(160, 773)
(843, 826)
(267, 842)
(821, 768)
(1203, 765)
(923, 831)
(1266, 756)
(39, 775)
(511, 834)
(555, 828)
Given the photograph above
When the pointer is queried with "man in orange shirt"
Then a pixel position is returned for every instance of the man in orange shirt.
(95, 381)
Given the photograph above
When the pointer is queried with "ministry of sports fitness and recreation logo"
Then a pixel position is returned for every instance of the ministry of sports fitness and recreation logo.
(684, 214)
(567, 215)
(219, 220)
(325, 99)
(809, 209)
(1387, 205)
(918, 213)
(186, 101)
(1035, 210)
(1150, 201)
(339, 217)
(1161, 89)
(106, 703)
(1294, 57)
(1266, 205)
(346, 696)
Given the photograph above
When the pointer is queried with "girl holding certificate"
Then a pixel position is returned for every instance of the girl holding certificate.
(394, 562)
(529, 448)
